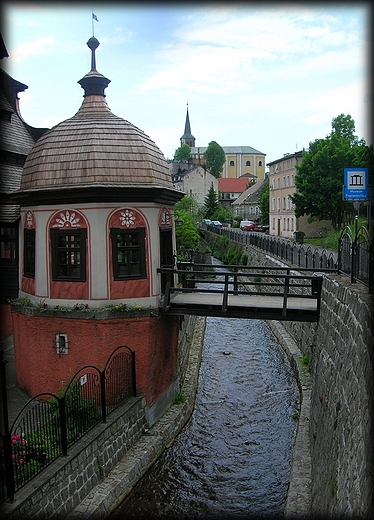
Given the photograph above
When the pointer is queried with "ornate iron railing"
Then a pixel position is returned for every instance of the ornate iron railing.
(354, 258)
(48, 425)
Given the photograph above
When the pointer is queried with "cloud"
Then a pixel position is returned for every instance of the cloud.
(38, 47)
(223, 49)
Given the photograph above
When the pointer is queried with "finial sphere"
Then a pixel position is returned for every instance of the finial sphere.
(93, 43)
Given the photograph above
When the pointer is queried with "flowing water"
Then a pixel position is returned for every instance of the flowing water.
(233, 458)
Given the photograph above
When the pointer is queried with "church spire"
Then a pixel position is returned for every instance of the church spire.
(187, 137)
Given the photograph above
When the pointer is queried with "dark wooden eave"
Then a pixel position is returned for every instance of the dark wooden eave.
(96, 193)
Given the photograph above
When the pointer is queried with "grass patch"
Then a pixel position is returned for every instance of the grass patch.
(179, 398)
(306, 361)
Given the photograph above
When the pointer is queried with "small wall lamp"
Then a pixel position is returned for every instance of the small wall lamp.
(178, 222)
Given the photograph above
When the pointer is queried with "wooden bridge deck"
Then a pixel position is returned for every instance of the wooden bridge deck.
(244, 306)
(277, 296)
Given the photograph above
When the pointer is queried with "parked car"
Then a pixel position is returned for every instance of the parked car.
(216, 223)
(244, 223)
(256, 227)
(251, 227)
(207, 221)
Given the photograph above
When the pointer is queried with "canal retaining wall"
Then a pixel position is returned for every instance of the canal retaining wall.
(339, 352)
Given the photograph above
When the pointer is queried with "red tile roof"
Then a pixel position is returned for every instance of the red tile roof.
(233, 185)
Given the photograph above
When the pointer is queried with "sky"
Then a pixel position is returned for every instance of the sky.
(267, 75)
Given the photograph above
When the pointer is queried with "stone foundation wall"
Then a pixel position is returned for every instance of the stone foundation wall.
(62, 485)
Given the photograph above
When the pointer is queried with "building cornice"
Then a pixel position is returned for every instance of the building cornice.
(96, 193)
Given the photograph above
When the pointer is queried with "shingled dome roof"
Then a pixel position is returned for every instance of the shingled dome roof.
(94, 148)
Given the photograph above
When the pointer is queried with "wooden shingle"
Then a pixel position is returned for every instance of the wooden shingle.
(95, 147)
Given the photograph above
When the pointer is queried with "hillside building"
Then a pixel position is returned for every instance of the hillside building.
(230, 189)
(282, 219)
(193, 180)
(247, 205)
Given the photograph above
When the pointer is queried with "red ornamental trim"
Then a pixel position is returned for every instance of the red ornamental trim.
(166, 217)
(29, 219)
(67, 219)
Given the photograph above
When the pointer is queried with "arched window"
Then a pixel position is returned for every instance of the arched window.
(232, 163)
(248, 163)
(260, 163)
(68, 232)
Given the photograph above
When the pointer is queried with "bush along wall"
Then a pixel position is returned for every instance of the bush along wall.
(230, 253)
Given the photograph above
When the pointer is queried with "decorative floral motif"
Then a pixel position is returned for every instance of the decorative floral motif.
(127, 218)
(67, 220)
(29, 219)
(165, 217)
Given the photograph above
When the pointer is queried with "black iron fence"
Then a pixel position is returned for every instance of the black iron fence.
(49, 424)
(354, 256)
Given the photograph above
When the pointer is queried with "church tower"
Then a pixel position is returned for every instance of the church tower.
(187, 137)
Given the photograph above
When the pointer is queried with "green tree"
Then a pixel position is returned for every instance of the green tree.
(190, 205)
(215, 158)
(210, 203)
(223, 215)
(320, 175)
(187, 236)
(264, 202)
(183, 153)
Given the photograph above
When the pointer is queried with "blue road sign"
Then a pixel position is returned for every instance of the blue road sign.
(356, 184)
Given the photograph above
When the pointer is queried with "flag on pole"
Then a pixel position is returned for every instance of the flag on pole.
(94, 17)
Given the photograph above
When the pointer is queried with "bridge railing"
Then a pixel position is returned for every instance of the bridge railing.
(238, 279)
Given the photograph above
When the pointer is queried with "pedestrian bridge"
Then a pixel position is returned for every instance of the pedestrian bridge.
(266, 293)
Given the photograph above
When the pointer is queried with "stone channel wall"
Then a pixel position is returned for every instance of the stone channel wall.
(341, 428)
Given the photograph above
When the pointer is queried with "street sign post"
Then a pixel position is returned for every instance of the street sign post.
(356, 184)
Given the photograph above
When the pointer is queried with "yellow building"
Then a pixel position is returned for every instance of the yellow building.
(241, 161)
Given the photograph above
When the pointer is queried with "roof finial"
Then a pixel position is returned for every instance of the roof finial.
(94, 82)
(93, 44)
